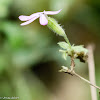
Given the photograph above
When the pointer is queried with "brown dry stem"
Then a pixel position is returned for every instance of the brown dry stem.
(72, 72)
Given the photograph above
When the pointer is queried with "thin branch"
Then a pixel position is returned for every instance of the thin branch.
(86, 80)
(67, 40)
(72, 72)
(72, 66)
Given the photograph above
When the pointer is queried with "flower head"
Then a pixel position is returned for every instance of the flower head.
(41, 15)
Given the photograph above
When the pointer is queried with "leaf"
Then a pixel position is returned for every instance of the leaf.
(62, 50)
(80, 52)
(80, 49)
(63, 45)
(65, 55)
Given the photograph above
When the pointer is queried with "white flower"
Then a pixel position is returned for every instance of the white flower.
(41, 15)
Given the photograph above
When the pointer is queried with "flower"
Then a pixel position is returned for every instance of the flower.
(41, 15)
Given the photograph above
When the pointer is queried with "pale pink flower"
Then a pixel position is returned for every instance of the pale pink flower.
(41, 15)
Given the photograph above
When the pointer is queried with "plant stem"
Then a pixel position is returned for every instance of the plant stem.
(65, 70)
(72, 72)
(67, 40)
(86, 80)
(72, 64)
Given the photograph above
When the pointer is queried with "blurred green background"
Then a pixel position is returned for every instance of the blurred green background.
(29, 55)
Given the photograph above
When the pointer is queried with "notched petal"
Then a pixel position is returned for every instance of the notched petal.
(36, 14)
(29, 21)
(43, 20)
(52, 12)
(24, 18)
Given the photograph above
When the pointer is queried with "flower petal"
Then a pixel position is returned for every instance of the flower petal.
(29, 21)
(35, 14)
(26, 18)
(43, 20)
(52, 12)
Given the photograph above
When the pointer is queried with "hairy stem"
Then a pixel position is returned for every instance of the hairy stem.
(67, 40)
(72, 64)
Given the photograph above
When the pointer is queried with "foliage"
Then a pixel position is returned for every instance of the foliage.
(22, 49)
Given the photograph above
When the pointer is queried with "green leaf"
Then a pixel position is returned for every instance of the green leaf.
(80, 49)
(65, 55)
(63, 45)
(80, 52)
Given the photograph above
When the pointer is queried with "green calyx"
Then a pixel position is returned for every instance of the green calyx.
(55, 27)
